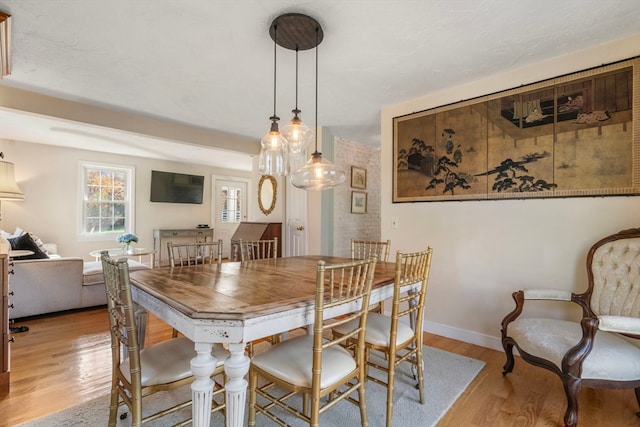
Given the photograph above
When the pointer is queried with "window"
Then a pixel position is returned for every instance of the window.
(231, 204)
(107, 200)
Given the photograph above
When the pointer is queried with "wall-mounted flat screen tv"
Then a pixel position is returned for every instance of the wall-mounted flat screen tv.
(170, 187)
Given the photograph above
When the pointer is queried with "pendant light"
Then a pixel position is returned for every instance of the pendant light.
(273, 152)
(318, 173)
(298, 134)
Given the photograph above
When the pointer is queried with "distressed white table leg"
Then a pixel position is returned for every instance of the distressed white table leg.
(202, 366)
(236, 367)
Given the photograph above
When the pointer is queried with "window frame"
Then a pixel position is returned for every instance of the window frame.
(129, 224)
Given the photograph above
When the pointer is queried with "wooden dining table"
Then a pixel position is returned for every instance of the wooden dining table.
(235, 303)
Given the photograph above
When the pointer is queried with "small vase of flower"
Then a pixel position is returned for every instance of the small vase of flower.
(125, 240)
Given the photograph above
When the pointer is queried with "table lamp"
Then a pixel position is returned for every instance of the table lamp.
(8, 188)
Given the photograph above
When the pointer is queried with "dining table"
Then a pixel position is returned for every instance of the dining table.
(235, 303)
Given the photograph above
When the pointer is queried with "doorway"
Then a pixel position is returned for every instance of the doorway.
(229, 206)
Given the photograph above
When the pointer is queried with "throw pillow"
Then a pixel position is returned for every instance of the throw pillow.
(18, 232)
(39, 242)
(25, 242)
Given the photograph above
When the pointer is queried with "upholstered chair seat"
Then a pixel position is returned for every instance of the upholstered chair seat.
(169, 361)
(613, 356)
(378, 327)
(292, 361)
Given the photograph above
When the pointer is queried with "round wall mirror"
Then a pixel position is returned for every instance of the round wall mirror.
(267, 194)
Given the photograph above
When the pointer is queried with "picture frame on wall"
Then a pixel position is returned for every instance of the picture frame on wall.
(358, 177)
(568, 136)
(358, 202)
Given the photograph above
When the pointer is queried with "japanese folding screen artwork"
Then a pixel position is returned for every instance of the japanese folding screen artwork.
(565, 137)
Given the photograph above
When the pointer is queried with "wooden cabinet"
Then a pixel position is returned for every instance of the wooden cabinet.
(161, 237)
(4, 322)
(255, 231)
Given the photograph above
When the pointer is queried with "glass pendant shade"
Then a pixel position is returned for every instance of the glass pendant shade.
(317, 174)
(298, 135)
(273, 152)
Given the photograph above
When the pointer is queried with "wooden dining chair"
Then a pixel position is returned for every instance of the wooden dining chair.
(183, 254)
(258, 249)
(313, 365)
(364, 249)
(399, 336)
(141, 372)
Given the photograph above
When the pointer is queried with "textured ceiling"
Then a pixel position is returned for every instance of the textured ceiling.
(209, 63)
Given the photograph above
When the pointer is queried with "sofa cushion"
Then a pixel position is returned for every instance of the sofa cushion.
(26, 242)
(92, 271)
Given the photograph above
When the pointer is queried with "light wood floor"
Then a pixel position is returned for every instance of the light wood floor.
(65, 360)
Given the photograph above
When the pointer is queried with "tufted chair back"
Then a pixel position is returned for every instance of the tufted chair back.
(614, 275)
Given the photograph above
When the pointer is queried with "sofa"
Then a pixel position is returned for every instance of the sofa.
(56, 283)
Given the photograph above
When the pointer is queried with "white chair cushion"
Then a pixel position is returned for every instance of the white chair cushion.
(292, 361)
(378, 330)
(169, 361)
(613, 357)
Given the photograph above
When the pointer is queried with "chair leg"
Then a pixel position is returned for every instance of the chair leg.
(638, 399)
(391, 375)
(508, 351)
(571, 389)
(420, 366)
(113, 407)
(363, 403)
(315, 411)
(253, 383)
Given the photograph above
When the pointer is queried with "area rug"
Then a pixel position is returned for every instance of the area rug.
(447, 375)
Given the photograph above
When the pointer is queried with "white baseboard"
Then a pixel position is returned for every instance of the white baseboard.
(471, 337)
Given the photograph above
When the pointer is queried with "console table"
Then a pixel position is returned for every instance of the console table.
(160, 238)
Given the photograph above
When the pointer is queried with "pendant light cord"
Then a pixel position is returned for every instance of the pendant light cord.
(296, 111)
(275, 50)
(316, 132)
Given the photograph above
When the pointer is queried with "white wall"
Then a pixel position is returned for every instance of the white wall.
(48, 176)
(485, 250)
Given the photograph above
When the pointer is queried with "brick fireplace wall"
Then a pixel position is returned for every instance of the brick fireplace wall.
(346, 225)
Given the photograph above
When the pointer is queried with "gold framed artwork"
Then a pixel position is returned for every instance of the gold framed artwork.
(570, 136)
(358, 177)
(358, 202)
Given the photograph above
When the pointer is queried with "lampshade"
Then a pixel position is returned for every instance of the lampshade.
(273, 152)
(8, 188)
(297, 134)
(317, 174)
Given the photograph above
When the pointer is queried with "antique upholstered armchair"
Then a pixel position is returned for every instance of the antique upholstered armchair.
(603, 350)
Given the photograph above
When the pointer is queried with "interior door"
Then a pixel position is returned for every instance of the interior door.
(229, 202)
(295, 230)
